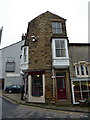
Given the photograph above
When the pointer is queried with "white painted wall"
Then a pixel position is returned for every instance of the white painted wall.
(10, 53)
(0, 64)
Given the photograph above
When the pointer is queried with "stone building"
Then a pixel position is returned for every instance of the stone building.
(79, 71)
(45, 60)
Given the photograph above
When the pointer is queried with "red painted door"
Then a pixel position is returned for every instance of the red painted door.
(61, 88)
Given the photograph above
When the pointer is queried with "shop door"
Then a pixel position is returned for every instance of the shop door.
(61, 88)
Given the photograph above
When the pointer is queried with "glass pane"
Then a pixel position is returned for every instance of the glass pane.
(89, 85)
(86, 70)
(57, 44)
(10, 66)
(85, 95)
(63, 53)
(56, 24)
(77, 70)
(58, 53)
(77, 96)
(37, 85)
(62, 43)
(76, 86)
(84, 85)
(56, 27)
(24, 51)
(82, 70)
(60, 83)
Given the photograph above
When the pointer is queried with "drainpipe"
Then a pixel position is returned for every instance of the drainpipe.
(53, 77)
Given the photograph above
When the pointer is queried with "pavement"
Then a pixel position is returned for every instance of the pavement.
(15, 97)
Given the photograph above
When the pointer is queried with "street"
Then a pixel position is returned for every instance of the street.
(12, 110)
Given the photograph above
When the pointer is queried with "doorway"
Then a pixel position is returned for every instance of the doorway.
(61, 87)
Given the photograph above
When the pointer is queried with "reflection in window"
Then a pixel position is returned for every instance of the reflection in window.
(86, 70)
(25, 54)
(56, 27)
(82, 70)
(10, 66)
(81, 90)
(84, 85)
(60, 48)
(78, 71)
(37, 85)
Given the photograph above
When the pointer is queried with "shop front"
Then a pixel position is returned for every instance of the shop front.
(35, 86)
(80, 89)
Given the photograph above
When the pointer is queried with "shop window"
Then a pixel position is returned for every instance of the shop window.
(10, 67)
(56, 27)
(81, 90)
(77, 93)
(37, 85)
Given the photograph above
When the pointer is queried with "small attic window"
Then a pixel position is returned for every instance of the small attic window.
(56, 27)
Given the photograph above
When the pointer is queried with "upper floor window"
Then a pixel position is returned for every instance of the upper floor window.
(56, 27)
(82, 69)
(10, 66)
(25, 54)
(59, 48)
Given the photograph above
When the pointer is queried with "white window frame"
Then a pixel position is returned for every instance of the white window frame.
(25, 56)
(31, 98)
(84, 69)
(54, 49)
(73, 95)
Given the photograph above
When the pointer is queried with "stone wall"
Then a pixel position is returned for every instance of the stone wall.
(40, 51)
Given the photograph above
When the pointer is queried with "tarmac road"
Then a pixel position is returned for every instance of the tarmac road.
(11, 110)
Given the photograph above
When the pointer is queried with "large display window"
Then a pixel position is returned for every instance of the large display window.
(80, 90)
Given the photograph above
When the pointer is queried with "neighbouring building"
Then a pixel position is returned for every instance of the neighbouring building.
(10, 64)
(45, 60)
(79, 71)
(1, 80)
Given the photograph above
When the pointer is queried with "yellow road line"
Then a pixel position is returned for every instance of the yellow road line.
(54, 110)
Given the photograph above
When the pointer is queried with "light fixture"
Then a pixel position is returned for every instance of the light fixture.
(33, 38)
(38, 75)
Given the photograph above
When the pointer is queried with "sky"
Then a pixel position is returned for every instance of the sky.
(15, 15)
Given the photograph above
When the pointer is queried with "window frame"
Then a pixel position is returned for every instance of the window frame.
(25, 54)
(57, 27)
(7, 67)
(84, 65)
(54, 48)
(80, 90)
(36, 84)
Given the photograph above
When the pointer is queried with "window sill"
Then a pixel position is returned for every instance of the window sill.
(84, 76)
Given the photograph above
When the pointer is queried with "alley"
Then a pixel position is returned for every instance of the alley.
(10, 110)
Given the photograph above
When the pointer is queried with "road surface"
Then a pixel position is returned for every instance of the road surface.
(12, 110)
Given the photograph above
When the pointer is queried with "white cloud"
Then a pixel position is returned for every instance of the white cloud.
(15, 15)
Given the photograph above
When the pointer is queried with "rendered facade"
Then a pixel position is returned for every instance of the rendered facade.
(10, 65)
